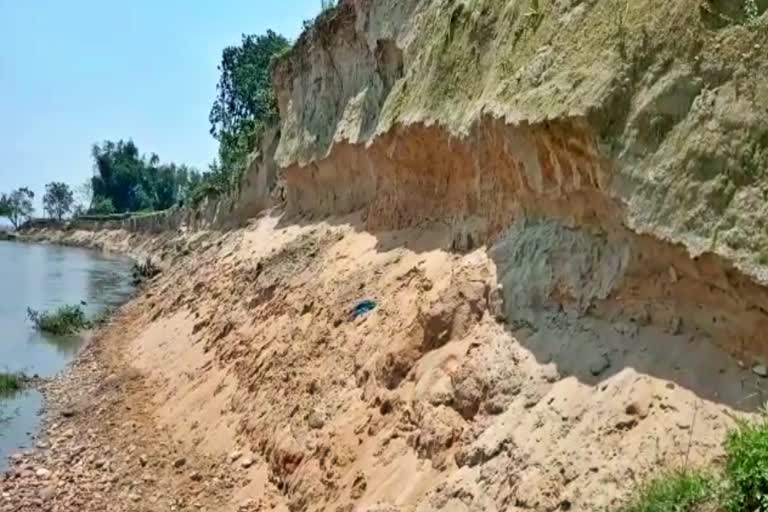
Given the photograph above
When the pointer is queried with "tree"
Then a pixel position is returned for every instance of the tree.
(119, 176)
(83, 199)
(17, 206)
(245, 102)
(58, 200)
(127, 181)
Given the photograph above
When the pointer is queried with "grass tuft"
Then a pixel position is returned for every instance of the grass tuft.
(61, 322)
(683, 490)
(746, 467)
(9, 383)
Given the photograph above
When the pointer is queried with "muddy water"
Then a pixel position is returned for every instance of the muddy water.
(43, 277)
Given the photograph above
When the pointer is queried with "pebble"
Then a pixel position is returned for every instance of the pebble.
(599, 365)
(246, 462)
(179, 462)
(315, 420)
(760, 370)
(43, 473)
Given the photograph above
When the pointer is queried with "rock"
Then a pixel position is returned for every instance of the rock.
(760, 370)
(47, 493)
(142, 460)
(599, 365)
(180, 462)
(195, 476)
(68, 413)
(639, 408)
(235, 455)
(100, 463)
(315, 420)
(43, 474)
(246, 462)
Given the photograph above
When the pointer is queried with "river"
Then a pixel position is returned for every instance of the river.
(44, 277)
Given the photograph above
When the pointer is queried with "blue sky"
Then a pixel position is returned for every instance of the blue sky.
(76, 72)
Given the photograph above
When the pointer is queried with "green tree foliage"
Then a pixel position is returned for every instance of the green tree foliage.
(245, 103)
(127, 181)
(17, 206)
(58, 200)
(326, 5)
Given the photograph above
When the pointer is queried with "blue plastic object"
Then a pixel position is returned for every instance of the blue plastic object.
(363, 307)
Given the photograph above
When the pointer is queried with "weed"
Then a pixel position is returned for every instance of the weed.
(9, 383)
(751, 10)
(621, 27)
(746, 467)
(682, 490)
(61, 322)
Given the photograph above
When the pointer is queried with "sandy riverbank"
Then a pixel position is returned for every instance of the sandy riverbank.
(238, 380)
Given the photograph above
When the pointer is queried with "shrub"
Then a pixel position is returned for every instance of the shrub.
(683, 490)
(63, 321)
(746, 466)
(9, 383)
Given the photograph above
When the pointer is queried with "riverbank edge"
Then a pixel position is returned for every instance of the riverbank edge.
(98, 408)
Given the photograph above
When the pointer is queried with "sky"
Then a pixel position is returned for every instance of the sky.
(78, 72)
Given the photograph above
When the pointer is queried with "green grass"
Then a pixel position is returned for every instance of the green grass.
(746, 466)
(741, 485)
(682, 490)
(9, 383)
(63, 321)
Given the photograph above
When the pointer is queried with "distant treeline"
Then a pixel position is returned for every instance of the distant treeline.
(125, 180)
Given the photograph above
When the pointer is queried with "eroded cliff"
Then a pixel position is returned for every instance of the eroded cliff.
(641, 124)
(558, 210)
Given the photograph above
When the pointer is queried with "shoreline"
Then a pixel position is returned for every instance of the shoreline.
(97, 447)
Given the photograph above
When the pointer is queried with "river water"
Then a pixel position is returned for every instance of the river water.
(43, 277)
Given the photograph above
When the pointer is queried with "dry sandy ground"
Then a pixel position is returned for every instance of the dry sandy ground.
(239, 381)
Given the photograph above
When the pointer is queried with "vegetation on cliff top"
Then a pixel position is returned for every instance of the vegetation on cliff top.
(245, 104)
